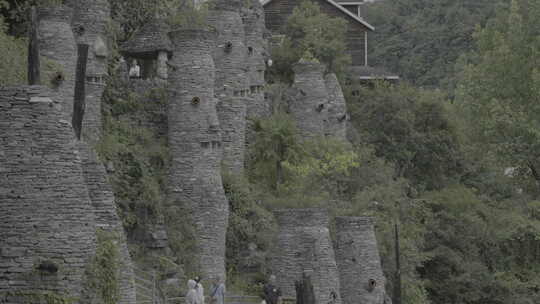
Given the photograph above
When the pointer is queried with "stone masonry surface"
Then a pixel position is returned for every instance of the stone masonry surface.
(58, 48)
(304, 245)
(254, 27)
(308, 105)
(231, 82)
(195, 147)
(103, 201)
(47, 223)
(90, 21)
(359, 261)
(337, 108)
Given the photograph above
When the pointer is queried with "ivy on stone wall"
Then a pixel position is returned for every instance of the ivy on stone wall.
(33, 297)
(103, 270)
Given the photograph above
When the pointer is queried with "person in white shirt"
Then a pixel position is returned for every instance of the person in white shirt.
(191, 296)
(135, 70)
(200, 290)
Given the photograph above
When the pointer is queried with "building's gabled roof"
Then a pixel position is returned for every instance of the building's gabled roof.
(149, 40)
(341, 8)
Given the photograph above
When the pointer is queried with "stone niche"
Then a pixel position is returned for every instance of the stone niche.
(359, 263)
(195, 147)
(303, 245)
(47, 222)
(231, 82)
(150, 47)
(59, 52)
(308, 99)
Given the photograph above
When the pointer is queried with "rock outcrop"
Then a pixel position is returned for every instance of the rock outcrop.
(90, 21)
(309, 99)
(337, 109)
(59, 52)
(195, 146)
(361, 275)
(103, 202)
(253, 18)
(303, 246)
(231, 83)
(47, 222)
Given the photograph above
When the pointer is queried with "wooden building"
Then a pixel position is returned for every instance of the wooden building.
(277, 12)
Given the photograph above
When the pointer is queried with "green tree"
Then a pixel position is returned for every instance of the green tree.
(480, 250)
(500, 88)
(309, 30)
(13, 60)
(421, 39)
(411, 129)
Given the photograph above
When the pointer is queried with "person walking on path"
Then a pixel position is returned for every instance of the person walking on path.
(272, 294)
(200, 290)
(217, 294)
(191, 296)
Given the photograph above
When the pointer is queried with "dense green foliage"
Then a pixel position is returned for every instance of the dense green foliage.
(421, 40)
(500, 88)
(136, 154)
(13, 60)
(104, 268)
(411, 129)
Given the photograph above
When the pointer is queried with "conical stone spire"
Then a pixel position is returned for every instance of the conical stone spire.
(195, 185)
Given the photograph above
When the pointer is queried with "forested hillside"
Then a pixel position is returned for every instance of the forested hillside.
(450, 155)
(421, 40)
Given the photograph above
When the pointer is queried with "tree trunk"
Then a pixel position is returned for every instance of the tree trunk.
(397, 283)
(34, 77)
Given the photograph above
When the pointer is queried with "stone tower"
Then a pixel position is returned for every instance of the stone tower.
(360, 271)
(231, 84)
(304, 245)
(58, 48)
(195, 146)
(103, 202)
(253, 17)
(337, 108)
(90, 23)
(308, 105)
(47, 223)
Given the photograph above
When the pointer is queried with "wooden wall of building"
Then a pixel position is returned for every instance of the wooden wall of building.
(277, 12)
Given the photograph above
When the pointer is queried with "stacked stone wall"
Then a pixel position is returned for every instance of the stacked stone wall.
(309, 101)
(303, 245)
(337, 108)
(195, 147)
(231, 81)
(90, 21)
(103, 202)
(254, 27)
(361, 275)
(59, 52)
(47, 223)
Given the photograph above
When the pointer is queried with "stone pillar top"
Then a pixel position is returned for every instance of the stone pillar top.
(307, 66)
(309, 217)
(227, 5)
(58, 13)
(354, 222)
(205, 37)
